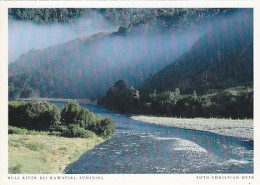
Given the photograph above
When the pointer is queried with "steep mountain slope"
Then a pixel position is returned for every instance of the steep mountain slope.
(221, 58)
(86, 67)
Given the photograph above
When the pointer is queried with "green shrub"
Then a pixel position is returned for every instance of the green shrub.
(16, 130)
(78, 131)
(41, 115)
(15, 169)
(70, 113)
(38, 117)
(16, 114)
(79, 122)
(34, 115)
(106, 128)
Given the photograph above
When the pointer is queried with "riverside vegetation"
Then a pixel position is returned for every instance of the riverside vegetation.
(43, 139)
(236, 102)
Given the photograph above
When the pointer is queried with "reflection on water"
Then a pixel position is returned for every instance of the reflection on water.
(139, 147)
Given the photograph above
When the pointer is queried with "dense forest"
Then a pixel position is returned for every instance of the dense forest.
(71, 121)
(45, 72)
(210, 74)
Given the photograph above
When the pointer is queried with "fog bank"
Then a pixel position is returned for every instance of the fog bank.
(24, 36)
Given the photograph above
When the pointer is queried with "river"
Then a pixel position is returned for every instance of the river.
(142, 148)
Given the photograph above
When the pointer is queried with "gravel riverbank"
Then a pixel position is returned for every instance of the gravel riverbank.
(228, 127)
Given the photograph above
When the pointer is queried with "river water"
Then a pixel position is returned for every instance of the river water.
(142, 148)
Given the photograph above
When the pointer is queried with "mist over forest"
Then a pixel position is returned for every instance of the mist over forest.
(26, 35)
(81, 53)
(40, 28)
(98, 48)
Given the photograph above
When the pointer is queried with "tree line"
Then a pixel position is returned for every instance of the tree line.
(126, 18)
(71, 121)
(229, 103)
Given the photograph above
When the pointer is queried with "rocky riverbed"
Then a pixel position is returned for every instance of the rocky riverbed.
(228, 127)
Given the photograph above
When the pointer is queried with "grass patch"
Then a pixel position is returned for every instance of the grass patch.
(35, 146)
(45, 154)
(23, 131)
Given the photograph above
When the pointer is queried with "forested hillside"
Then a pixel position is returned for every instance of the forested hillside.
(86, 67)
(147, 40)
(221, 58)
(213, 79)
